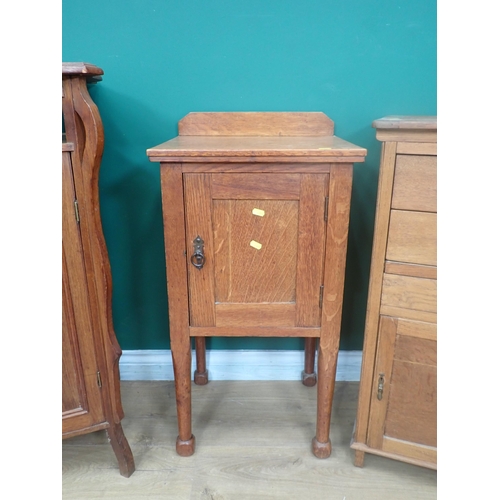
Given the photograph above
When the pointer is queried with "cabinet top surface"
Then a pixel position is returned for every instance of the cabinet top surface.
(80, 68)
(406, 122)
(323, 148)
(257, 134)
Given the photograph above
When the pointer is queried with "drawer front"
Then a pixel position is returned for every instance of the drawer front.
(415, 183)
(409, 297)
(412, 237)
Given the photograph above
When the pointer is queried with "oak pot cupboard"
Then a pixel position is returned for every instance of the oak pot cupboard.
(256, 214)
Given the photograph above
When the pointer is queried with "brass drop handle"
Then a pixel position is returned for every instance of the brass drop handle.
(198, 257)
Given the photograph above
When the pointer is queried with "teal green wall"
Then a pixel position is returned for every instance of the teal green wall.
(354, 60)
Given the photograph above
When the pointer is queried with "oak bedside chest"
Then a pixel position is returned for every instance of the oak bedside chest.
(397, 396)
(256, 213)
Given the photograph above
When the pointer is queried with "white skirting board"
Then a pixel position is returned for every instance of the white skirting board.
(234, 365)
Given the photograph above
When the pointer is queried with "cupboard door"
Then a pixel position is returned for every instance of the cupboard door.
(259, 257)
(81, 401)
(403, 411)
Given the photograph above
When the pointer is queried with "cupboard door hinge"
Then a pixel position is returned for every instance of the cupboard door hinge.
(380, 388)
(321, 296)
(326, 208)
(99, 381)
(77, 213)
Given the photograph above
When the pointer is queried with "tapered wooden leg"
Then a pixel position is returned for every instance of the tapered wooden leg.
(359, 458)
(180, 342)
(122, 449)
(327, 366)
(181, 355)
(201, 372)
(308, 375)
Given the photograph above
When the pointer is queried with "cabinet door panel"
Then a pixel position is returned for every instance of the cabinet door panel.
(82, 406)
(263, 245)
(404, 394)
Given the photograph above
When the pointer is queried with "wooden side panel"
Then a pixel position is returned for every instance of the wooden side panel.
(412, 237)
(198, 201)
(256, 186)
(385, 183)
(415, 183)
(236, 315)
(256, 124)
(311, 244)
(255, 255)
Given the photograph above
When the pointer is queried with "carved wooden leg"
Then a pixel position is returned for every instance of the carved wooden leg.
(201, 372)
(327, 366)
(309, 375)
(181, 355)
(122, 449)
(359, 458)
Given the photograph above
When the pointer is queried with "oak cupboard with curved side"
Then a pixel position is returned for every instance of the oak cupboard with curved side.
(90, 352)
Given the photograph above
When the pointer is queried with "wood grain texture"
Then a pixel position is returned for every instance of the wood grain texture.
(412, 135)
(178, 312)
(382, 372)
(406, 269)
(256, 124)
(425, 456)
(335, 254)
(418, 329)
(311, 245)
(243, 273)
(407, 122)
(412, 410)
(80, 68)
(254, 331)
(191, 163)
(415, 183)
(417, 148)
(198, 220)
(407, 292)
(325, 148)
(241, 314)
(382, 214)
(257, 186)
(412, 237)
(84, 129)
(254, 439)
(269, 166)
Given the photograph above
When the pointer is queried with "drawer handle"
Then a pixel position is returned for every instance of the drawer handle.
(198, 258)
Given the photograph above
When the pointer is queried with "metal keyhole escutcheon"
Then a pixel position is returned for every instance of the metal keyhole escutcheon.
(198, 258)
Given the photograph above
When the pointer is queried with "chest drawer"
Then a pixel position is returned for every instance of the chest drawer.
(409, 297)
(412, 237)
(415, 182)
